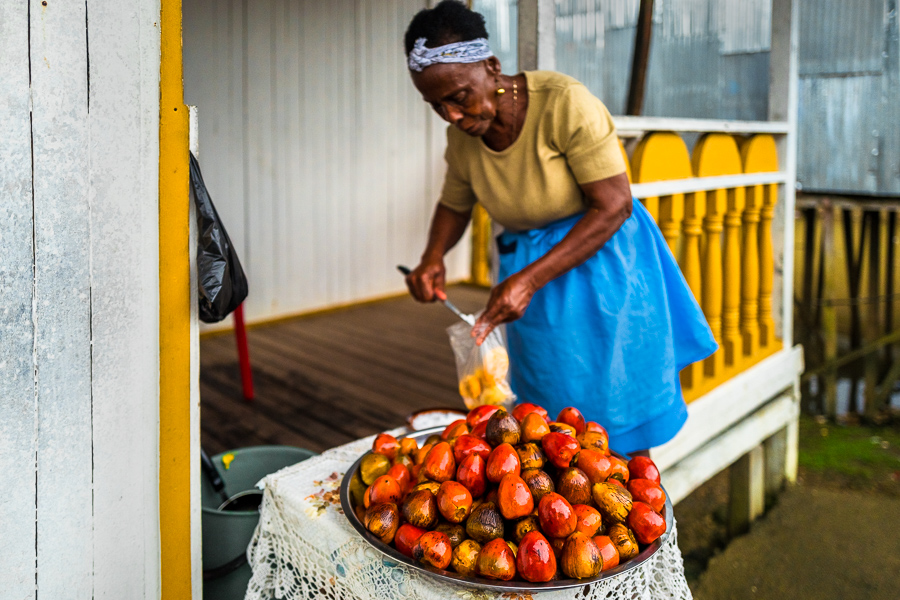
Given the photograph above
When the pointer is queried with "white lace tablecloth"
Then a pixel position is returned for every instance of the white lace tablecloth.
(305, 548)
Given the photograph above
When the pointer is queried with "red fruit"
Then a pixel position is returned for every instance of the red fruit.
(480, 414)
(502, 461)
(644, 490)
(433, 549)
(608, 551)
(468, 444)
(496, 561)
(619, 469)
(514, 497)
(595, 464)
(480, 430)
(386, 444)
(407, 537)
(595, 427)
(471, 473)
(557, 516)
(385, 490)
(641, 467)
(536, 561)
(523, 410)
(439, 464)
(589, 519)
(454, 501)
(646, 523)
(455, 429)
(403, 477)
(560, 448)
(572, 416)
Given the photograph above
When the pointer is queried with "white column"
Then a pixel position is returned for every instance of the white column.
(537, 35)
(783, 95)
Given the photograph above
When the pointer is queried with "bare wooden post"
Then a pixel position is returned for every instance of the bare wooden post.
(873, 322)
(748, 491)
(829, 314)
(640, 57)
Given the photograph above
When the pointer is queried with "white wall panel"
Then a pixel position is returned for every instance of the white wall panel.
(322, 159)
(17, 397)
(62, 315)
(79, 293)
(124, 298)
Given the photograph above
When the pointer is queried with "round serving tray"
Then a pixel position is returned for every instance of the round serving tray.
(490, 584)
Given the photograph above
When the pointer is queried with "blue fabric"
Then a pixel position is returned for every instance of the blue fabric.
(610, 336)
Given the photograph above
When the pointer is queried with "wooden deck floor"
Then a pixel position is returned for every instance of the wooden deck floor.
(328, 379)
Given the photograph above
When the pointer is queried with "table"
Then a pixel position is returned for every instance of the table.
(304, 548)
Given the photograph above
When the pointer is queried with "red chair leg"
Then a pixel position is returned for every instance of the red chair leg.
(240, 333)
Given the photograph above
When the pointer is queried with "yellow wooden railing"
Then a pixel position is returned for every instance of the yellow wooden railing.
(721, 237)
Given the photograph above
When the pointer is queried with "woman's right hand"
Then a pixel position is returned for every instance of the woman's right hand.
(426, 281)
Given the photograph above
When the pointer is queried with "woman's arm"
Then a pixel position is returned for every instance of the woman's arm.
(609, 205)
(426, 281)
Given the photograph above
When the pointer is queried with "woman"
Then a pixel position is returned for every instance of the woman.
(599, 316)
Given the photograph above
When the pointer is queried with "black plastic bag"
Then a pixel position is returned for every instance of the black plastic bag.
(220, 278)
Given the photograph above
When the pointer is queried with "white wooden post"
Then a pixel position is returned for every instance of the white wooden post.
(783, 98)
(747, 491)
(537, 35)
(196, 512)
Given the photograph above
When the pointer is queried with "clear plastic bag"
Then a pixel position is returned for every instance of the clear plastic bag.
(483, 371)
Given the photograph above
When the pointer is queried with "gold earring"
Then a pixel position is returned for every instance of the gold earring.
(500, 91)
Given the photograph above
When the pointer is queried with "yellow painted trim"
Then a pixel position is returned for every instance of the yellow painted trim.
(174, 316)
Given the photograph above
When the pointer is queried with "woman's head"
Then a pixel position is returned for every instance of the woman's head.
(462, 93)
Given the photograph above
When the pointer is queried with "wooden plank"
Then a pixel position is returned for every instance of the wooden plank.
(731, 402)
(62, 299)
(688, 474)
(630, 126)
(701, 184)
(17, 388)
(124, 297)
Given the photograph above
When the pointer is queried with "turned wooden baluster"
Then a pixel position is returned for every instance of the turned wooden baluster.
(691, 228)
(759, 155)
(670, 215)
(750, 271)
(731, 333)
(766, 267)
(714, 155)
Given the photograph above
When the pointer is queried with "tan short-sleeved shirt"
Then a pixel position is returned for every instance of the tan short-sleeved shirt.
(568, 138)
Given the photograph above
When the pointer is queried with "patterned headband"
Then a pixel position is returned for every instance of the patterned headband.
(459, 52)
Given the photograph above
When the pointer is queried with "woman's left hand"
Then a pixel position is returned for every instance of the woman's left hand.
(508, 302)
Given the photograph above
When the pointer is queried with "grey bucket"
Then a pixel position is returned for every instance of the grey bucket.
(226, 534)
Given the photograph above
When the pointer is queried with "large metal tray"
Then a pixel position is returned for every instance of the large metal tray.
(490, 584)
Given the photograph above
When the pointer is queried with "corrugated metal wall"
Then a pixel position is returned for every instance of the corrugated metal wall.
(323, 160)
(708, 58)
(502, 19)
(849, 137)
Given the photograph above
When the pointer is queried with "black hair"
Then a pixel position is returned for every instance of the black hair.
(448, 22)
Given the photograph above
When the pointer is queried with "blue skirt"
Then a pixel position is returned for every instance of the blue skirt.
(610, 336)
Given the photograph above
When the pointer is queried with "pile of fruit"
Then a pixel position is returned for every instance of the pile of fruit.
(504, 496)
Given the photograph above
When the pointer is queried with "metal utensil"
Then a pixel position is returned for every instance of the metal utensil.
(467, 318)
